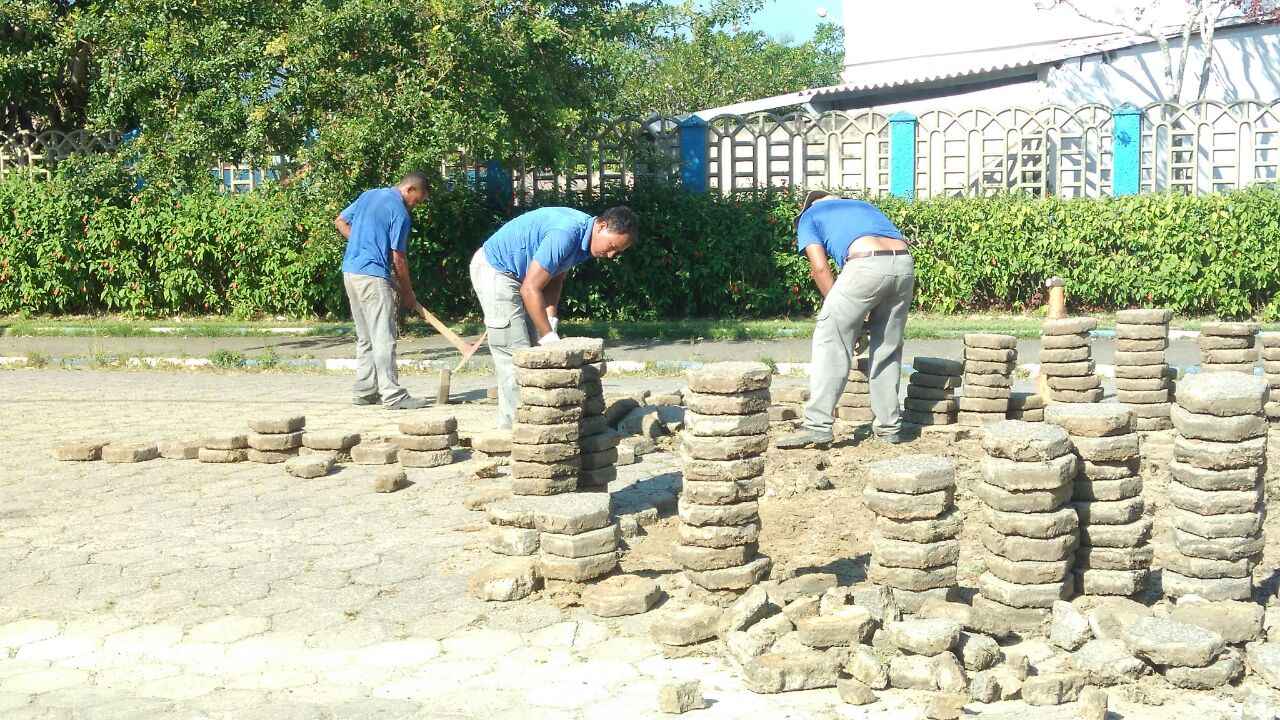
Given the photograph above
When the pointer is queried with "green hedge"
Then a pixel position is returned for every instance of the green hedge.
(67, 249)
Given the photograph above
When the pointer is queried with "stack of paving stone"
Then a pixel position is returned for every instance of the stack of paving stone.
(931, 391)
(223, 449)
(275, 439)
(855, 402)
(427, 442)
(1066, 360)
(1216, 491)
(1114, 557)
(1025, 406)
(1143, 379)
(572, 534)
(723, 450)
(1031, 530)
(599, 444)
(989, 362)
(914, 549)
(1270, 342)
(1228, 347)
(545, 456)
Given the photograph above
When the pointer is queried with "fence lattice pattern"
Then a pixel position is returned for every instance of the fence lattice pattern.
(1197, 148)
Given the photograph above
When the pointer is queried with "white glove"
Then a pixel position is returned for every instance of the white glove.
(555, 322)
(549, 338)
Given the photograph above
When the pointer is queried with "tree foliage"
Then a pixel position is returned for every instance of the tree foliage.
(694, 59)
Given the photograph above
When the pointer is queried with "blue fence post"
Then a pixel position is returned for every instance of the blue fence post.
(1126, 169)
(694, 136)
(497, 184)
(902, 155)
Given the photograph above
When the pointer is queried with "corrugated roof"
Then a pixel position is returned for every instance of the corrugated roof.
(927, 69)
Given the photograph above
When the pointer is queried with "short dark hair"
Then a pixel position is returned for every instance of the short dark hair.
(416, 178)
(623, 220)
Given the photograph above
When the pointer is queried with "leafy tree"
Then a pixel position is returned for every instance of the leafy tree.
(696, 59)
(354, 91)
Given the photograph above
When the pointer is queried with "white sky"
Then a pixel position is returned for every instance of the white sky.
(879, 30)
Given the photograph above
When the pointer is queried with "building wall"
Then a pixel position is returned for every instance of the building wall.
(1246, 67)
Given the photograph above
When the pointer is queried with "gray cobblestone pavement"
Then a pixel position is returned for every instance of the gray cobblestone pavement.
(173, 589)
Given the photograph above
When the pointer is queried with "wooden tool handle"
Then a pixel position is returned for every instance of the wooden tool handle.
(443, 329)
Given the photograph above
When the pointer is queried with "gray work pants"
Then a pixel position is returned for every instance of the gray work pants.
(880, 287)
(509, 329)
(373, 308)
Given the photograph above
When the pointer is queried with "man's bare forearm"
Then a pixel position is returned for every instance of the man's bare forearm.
(535, 304)
(824, 280)
(404, 285)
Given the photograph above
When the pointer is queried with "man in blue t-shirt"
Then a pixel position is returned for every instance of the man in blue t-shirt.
(374, 270)
(519, 272)
(874, 288)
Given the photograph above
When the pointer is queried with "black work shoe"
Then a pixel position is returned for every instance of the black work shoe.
(367, 400)
(409, 403)
(804, 439)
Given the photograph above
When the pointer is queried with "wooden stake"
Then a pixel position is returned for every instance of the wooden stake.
(442, 393)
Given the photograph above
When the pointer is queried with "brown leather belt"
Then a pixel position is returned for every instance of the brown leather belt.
(877, 253)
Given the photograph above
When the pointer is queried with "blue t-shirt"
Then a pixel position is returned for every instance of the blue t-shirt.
(558, 238)
(380, 223)
(836, 224)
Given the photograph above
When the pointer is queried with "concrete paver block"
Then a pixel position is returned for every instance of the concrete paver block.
(309, 466)
(129, 452)
(210, 455)
(425, 458)
(279, 424)
(729, 378)
(79, 451)
(388, 480)
(330, 440)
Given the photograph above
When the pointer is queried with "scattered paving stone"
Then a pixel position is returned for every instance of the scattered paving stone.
(913, 672)
(686, 626)
(1093, 704)
(1264, 661)
(309, 466)
(923, 637)
(129, 452)
(775, 672)
(866, 667)
(79, 451)
(977, 652)
(504, 581)
(949, 674)
(1164, 641)
(850, 625)
(389, 480)
(1070, 628)
(515, 541)
(1236, 622)
(855, 692)
(753, 606)
(680, 698)
(425, 458)
(1257, 706)
(181, 449)
(879, 601)
(1108, 662)
(1052, 688)
(1225, 669)
(947, 706)
(621, 595)
(374, 453)
(209, 455)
